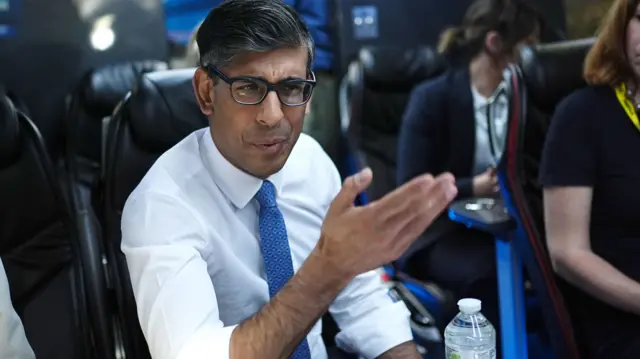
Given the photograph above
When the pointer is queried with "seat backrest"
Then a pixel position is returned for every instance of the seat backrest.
(94, 99)
(37, 242)
(159, 112)
(550, 73)
(380, 83)
(545, 75)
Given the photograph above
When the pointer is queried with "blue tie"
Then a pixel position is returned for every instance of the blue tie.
(275, 250)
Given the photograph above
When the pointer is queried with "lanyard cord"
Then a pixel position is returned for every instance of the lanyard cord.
(491, 127)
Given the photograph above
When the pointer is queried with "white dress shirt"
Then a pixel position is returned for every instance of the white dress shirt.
(485, 156)
(13, 342)
(190, 235)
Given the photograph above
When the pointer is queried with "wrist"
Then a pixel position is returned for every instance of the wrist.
(326, 271)
(475, 187)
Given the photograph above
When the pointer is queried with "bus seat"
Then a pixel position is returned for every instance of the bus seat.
(92, 102)
(160, 111)
(373, 98)
(39, 246)
(545, 75)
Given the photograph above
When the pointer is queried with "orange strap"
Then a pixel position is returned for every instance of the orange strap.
(627, 105)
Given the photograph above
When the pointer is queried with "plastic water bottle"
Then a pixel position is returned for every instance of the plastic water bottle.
(470, 335)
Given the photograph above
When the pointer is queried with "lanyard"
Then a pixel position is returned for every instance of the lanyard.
(627, 105)
(495, 145)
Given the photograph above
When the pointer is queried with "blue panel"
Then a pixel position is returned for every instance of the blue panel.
(512, 303)
(365, 22)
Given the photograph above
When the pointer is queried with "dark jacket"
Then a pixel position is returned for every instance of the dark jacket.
(438, 135)
(438, 131)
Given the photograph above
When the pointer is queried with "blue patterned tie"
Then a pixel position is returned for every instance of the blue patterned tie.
(275, 250)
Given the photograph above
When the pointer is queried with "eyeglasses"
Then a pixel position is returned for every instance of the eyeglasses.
(248, 90)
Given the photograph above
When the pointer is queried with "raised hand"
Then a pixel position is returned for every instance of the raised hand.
(357, 239)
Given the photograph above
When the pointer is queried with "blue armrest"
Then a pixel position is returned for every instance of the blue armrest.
(490, 215)
(485, 214)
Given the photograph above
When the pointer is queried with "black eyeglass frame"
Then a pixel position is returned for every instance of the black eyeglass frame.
(214, 71)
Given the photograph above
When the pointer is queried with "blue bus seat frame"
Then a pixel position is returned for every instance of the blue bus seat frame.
(509, 273)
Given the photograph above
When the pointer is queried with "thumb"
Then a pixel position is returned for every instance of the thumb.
(351, 187)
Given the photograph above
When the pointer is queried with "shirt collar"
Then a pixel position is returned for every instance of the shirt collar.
(480, 102)
(238, 186)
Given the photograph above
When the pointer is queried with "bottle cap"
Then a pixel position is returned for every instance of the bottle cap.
(469, 305)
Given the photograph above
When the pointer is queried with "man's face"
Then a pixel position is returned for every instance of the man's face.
(255, 138)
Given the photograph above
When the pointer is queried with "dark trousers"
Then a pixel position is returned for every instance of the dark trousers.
(463, 262)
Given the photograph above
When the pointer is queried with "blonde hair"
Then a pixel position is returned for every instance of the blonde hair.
(606, 62)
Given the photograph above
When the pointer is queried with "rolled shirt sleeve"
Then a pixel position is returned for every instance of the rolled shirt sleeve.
(370, 321)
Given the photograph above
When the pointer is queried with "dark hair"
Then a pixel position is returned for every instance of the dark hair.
(239, 26)
(606, 62)
(514, 20)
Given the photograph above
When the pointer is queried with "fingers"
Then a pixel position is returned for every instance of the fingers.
(495, 185)
(351, 187)
(400, 199)
(431, 197)
(440, 196)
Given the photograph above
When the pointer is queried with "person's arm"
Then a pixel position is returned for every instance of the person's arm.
(371, 323)
(422, 146)
(316, 15)
(13, 342)
(406, 350)
(568, 174)
(166, 250)
(567, 215)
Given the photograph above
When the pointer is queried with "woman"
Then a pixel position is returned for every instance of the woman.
(590, 174)
(445, 129)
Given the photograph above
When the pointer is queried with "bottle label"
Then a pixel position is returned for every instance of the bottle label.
(456, 354)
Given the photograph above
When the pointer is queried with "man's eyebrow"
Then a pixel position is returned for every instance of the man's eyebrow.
(288, 78)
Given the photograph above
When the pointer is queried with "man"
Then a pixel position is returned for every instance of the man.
(13, 342)
(219, 225)
(322, 121)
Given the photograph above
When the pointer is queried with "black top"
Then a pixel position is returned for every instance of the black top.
(592, 142)
(438, 131)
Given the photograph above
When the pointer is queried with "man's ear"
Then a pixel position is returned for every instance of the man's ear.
(493, 43)
(203, 89)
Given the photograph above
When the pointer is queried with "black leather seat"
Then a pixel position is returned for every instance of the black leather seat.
(94, 99)
(378, 86)
(545, 75)
(51, 288)
(158, 114)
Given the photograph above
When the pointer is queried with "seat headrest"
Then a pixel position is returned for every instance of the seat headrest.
(162, 109)
(553, 71)
(392, 68)
(103, 88)
(10, 144)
